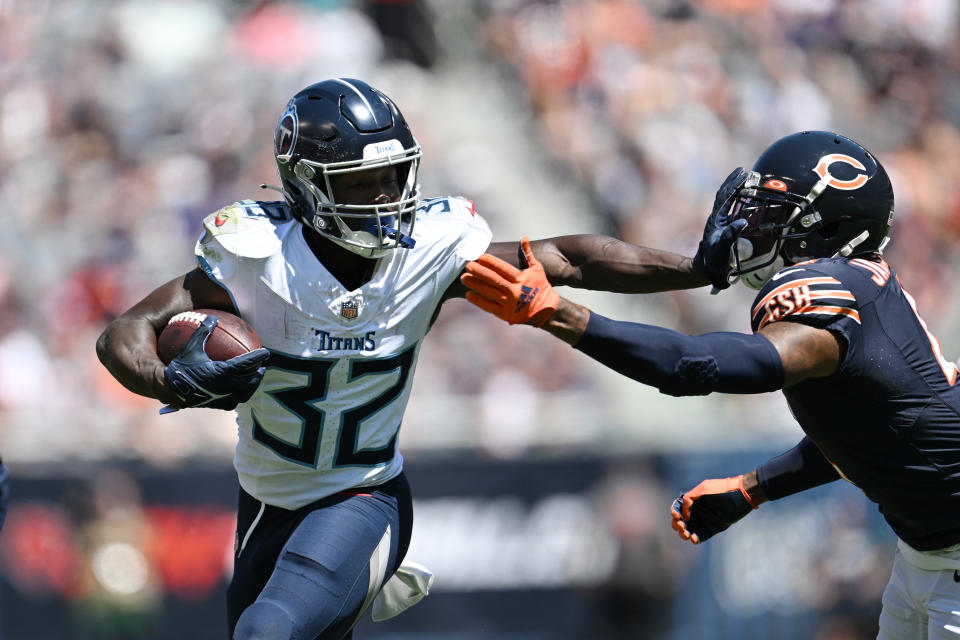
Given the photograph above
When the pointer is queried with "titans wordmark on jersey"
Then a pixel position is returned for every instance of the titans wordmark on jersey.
(326, 416)
(888, 417)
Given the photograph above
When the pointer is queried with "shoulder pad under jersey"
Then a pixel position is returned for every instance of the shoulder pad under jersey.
(811, 293)
(475, 233)
(243, 229)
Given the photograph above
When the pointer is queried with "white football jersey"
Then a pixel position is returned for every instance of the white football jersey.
(326, 416)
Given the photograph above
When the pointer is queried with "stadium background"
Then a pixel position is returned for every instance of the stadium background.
(542, 481)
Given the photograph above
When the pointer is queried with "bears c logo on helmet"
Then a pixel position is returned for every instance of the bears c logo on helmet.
(823, 170)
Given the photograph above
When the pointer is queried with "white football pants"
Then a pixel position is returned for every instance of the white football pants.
(922, 599)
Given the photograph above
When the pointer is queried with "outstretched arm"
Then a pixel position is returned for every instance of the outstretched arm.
(781, 354)
(600, 263)
(715, 504)
(607, 264)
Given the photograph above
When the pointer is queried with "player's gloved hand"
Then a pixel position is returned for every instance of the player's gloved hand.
(719, 235)
(517, 296)
(199, 381)
(4, 492)
(709, 508)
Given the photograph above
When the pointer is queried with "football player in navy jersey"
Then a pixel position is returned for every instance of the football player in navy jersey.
(341, 281)
(835, 330)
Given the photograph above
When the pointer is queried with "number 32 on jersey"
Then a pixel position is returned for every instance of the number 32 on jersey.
(306, 402)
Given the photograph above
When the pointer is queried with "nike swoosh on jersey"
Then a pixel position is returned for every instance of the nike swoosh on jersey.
(783, 273)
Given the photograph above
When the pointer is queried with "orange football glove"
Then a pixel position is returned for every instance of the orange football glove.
(709, 508)
(519, 297)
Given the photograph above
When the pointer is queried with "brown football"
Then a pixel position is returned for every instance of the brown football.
(231, 337)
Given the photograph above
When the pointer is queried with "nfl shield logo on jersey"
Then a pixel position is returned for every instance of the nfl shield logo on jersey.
(349, 309)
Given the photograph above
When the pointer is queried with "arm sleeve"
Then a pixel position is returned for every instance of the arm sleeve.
(801, 468)
(682, 365)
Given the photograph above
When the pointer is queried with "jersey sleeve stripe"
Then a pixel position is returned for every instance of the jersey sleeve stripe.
(880, 270)
(816, 310)
(839, 294)
(789, 285)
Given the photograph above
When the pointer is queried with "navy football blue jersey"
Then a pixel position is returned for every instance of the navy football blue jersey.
(889, 418)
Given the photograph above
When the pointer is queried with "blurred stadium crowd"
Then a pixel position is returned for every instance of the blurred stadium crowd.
(121, 127)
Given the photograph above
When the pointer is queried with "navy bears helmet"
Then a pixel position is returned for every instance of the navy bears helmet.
(340, 126)
(812, 194)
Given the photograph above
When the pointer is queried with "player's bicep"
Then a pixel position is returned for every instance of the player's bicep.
(193, 290)
(806, 352)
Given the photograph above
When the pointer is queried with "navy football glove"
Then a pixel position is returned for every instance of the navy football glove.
(4, 492)
(719, 235)
(709, 508)
(199, 381)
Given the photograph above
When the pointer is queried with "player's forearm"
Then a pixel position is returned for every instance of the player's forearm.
(802, 467)
(127, 348)
(674, 363)
(607, 264)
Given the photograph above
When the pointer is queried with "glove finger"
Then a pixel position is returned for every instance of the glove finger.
(733, 173)
(487, 305)
(479, 270)
(681, 530)
(677, 506)
(733, 230)
(485, 289)
(529, 260)
(678, 526)
(250, 385)
(250, 360)
(486, 279)
(198, 339)
(687, 505)
(733, 181)
(500, 267)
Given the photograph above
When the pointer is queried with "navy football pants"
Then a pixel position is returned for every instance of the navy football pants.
(306, 574)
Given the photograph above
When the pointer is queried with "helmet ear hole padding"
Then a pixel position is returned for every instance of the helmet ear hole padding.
(829, 230)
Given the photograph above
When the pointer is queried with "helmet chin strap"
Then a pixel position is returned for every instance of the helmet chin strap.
(757, 278)
(848, 248)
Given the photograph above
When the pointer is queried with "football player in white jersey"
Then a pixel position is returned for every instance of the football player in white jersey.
(341, 280)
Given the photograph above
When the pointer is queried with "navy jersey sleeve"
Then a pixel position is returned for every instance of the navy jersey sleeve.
(808, 295)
